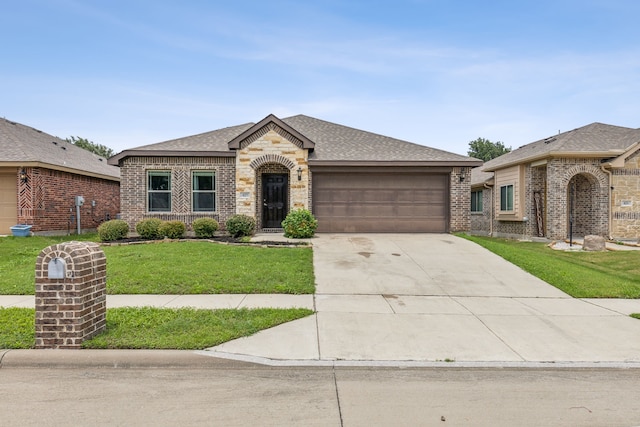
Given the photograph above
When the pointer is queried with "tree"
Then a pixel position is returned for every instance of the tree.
(98, 149)
(486, 150)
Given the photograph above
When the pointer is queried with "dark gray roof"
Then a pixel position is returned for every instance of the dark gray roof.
(217, 140)
(341, 143)
(594, 140)
(22, 144)
(333, 143)
(479, 177)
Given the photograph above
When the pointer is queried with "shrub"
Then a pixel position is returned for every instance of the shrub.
(204, 227)
(148, 228)
(299, 224)
(241, 225)
(172, 229)
(115, 229)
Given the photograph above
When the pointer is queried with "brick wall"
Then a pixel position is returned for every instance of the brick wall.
(70, 309)
(481, 221)
(593, 220)
(625, 205)
(47, 200)
(460, 199)
(133, 173)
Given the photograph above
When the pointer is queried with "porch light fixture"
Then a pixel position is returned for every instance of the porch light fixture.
(299, 174)
(23, 175)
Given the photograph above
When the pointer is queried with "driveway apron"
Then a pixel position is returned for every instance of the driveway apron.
(437, 297)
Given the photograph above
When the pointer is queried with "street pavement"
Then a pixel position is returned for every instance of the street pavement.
(169, 388)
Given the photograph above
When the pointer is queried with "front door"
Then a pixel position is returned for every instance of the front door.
(274, 199)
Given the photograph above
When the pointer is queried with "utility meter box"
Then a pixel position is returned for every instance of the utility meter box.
(79, 200)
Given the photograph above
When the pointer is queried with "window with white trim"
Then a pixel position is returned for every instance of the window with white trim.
(159, 191)
(203, 197)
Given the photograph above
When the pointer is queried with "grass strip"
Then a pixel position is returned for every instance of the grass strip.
(156, 328)
(608, 274)
(171, 267)
(208, 268)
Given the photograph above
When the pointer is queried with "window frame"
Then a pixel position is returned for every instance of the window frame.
(477, 204)
(151, 191)
(194, 191)
(507, 198)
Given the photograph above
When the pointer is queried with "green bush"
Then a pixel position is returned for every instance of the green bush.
(172, 229)
(115, 229)
(148, 228)
(205, 227)
(299, 224)
(241, 225)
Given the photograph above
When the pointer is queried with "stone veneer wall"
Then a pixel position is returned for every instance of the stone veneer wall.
(625, 223)
(272, 146)
(133, 173)
(460, 199)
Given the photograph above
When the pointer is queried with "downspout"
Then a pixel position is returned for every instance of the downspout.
(488, 187)
(608, 172)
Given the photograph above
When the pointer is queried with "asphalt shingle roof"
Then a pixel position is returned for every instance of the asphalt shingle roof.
(333, 142)
(24, 144)
(596, 139)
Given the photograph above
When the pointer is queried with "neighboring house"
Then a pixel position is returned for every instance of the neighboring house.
(581, 182)
(40, 176)
(352, 180)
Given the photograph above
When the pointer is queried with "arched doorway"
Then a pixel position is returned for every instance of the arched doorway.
(583, 206)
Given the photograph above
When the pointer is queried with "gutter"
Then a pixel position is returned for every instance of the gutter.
(376, 163)
(554, 154)
(115, 160)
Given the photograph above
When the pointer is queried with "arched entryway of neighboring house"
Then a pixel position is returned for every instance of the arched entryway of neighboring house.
(586, 206)
(273, 191)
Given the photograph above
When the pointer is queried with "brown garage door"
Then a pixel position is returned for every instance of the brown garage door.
(8, 201)
(352, 202)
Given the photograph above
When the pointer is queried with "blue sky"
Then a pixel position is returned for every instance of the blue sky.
(435, 72)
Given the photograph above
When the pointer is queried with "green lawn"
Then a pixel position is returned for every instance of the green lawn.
(156, 328)
(172, 267)
(610, 274)
(18, 260)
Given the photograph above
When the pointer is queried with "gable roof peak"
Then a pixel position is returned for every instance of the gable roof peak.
(268, 123)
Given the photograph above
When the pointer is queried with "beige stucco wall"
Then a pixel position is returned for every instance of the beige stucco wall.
(271, 148)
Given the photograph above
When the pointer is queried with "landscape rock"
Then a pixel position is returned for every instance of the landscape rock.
(594, 243)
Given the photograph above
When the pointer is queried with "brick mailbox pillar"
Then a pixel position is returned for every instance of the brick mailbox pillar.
(71, 294)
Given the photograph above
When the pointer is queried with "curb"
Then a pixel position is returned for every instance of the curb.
(117, 359)
(199, 359)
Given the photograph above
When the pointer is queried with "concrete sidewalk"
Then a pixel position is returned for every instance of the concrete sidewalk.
(195, 301)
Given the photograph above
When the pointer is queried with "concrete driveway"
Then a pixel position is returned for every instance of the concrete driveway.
(432, 298)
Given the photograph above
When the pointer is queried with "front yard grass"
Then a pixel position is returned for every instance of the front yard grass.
(172, 267)
(609, 274)
(156, 328)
